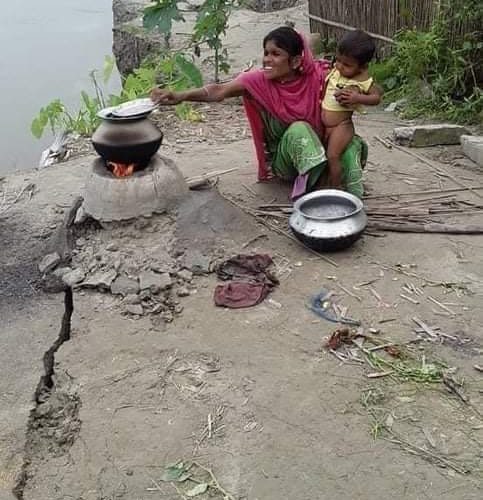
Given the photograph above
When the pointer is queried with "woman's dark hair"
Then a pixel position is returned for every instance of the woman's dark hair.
(359, 45)
(287, 39)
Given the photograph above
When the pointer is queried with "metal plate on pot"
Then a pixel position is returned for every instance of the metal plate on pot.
(134, 108)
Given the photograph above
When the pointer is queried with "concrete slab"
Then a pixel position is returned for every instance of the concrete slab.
(429, 135)
(473, 148)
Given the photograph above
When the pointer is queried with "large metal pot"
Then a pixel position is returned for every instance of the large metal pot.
(126, 140)
(328, 219)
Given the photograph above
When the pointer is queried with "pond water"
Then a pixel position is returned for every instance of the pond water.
(48, 48)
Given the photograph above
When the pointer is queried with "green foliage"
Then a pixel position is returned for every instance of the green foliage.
(210, 27)
(437, 71)
(175, 70)
(161, 14)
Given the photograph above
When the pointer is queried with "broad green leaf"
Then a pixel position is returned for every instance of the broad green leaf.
(189, 71)
(162, 15)
(37, 128)
(197, 490)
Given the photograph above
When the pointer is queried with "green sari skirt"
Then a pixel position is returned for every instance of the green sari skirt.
(297, 150)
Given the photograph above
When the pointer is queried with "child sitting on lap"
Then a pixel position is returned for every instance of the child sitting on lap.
(348, 88)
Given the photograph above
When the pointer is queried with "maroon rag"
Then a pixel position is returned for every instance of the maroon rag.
(239, 294)
(248, 281)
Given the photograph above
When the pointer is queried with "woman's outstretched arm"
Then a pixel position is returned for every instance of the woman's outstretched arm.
(209, 93)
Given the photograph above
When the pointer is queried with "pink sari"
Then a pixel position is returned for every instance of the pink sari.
(298, 100)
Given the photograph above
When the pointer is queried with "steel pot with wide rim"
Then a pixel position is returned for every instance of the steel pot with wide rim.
(126, 139)
(328, 220)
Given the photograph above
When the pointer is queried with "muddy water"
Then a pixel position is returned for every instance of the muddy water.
(47, 50)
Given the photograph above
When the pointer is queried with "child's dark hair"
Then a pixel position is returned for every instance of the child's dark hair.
(359, 45)
(287, 39)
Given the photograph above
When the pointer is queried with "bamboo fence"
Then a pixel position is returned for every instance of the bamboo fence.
(381, 18)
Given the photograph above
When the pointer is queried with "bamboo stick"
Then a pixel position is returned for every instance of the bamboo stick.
(430, 227)
(348, 28)
(428, 191)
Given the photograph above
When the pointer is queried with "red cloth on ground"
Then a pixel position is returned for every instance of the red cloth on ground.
(239, 294)
(249, 281)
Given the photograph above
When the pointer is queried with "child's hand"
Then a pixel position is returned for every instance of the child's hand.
(347, 97)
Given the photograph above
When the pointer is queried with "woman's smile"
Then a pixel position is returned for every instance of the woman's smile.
(276, 62)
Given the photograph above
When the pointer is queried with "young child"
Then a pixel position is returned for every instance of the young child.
(348, 88)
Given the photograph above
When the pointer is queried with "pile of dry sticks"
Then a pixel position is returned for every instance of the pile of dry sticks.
(418, 212)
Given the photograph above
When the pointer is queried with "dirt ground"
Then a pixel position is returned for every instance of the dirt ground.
(251, 394)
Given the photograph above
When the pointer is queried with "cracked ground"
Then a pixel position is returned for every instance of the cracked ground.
(287, 417)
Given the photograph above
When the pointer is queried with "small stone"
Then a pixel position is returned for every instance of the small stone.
(132, 299)
(159, 268)
(49, 262)
(112, 247)
(275, 304)
(101, 280)
(154, 282)
(185, 274)
(123, 285)
(136, 309)
(145, 294)
(395, 106)
(80, 242)
(80, 216)
(178, 309)
(197, 262)
(73, 277)
(429, 135)
(117, 264)
(129, 472)
(60, 271)
(182, 292)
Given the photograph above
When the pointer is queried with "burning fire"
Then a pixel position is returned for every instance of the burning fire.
(121, 169)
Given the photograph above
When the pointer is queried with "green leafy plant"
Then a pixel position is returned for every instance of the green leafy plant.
(438, 71)
(175, 71)
(210, 26)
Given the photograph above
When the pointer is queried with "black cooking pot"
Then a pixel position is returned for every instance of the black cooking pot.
(126, 140)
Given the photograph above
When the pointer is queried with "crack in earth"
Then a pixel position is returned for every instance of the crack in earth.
(53, 424)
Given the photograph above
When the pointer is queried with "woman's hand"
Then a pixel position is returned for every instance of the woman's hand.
(347, 97)
(161, 96)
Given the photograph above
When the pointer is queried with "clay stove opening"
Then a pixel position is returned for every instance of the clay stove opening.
(121, 169)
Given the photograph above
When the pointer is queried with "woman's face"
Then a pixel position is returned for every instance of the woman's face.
(278, 64)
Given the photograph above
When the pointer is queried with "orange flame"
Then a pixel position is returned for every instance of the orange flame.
(121, 169)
